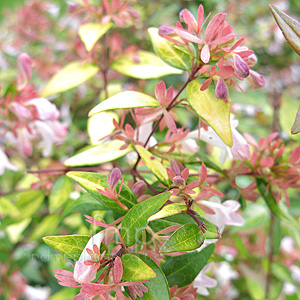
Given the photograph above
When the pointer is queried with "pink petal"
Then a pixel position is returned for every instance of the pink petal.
(205, 84)
(170, 122)
(160, 90)
(117, 270)
(95, 288)
(200, 16)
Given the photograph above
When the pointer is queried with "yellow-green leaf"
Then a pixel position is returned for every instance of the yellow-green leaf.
(168, 210)
(92, 182)
(169, 54)
(98, 154)
(70, 245)
(61, 189)
(73, 74)
(214, 111)
(134, 269)
(128, 99)
(104, 121)
(148, 66)
(90, 33)
(154, 165)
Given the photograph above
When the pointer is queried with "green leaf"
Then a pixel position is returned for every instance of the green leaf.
(83, 204)
(104, 121)
(186, 238)
(135, 221)
(212, 231)
(182, 270)
(179, 219)
(61, 189)
(267, 195)
(170, 55)
(158, 288)
(91, 182)
(90, 33)
(48, 225)
(127, 99)
(148, 66)
(289, 27)
(288, 116)
(134, 269)
(214, 111)
(7, 208)
(28, 202)
(101, 153)
(168, 210)
(296, 125)
(15, 231)
(73, 74)
(154, 165)
(70, 245)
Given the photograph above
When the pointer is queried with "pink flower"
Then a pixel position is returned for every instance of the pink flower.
(44, 108)
(224, 213)
(203, 282)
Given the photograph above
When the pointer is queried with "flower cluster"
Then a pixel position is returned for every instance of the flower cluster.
(268, 161)
(215, 57)
(26, 118)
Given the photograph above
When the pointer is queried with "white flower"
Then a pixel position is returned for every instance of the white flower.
(225, 273)
(45, 109)
(240, 149)
(202, 282)
(225, 213)
(82, 272)
(5, 163)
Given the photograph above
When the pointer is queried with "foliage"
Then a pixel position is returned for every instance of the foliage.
(123, 172)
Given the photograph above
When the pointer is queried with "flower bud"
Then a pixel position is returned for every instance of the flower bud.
(256, 79)
(240, 66)
(84, 273)
(252, 60)
(139, 188)
(165, 30)
(24, 66)
(179, 182)
(114, 178)
(221, 91)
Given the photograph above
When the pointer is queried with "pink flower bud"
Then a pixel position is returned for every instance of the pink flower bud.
(165, 30)
(256, 79)
(84, 273)
(24, 66)
(241, 67)
(252, 60)
(139, 188)
(113, 178)
(221, 91)
(179, 182)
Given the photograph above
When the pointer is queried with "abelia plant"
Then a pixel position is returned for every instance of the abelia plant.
(167, 170)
